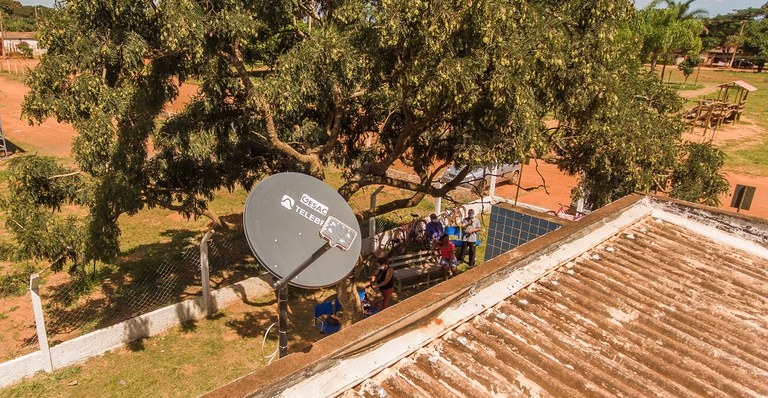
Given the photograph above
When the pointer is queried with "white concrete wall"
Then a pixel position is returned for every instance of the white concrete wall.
(12, 45)
(150, 324)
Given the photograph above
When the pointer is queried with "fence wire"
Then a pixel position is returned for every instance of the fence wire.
(97, 300)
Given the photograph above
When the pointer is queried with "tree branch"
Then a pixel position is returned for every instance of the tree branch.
(74, 173)
(332, 129)
(391, 206)
(311, 160)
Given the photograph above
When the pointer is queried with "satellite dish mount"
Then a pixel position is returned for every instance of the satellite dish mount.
(285, 217)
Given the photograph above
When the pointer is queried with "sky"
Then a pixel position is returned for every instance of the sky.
(714, 7)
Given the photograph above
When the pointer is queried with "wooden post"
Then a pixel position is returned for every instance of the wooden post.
(2, 38)
(37, 308)
(204, 274)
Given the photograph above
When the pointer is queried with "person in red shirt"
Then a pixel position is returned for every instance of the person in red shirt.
(447, 256)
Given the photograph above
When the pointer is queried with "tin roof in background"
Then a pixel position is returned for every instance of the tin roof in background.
(20, 36)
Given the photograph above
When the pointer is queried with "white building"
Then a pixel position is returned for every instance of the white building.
(12, 40)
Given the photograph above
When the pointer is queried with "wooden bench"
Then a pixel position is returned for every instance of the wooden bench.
(415, 269)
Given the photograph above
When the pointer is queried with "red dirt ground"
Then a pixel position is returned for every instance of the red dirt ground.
(55, 139)
(50, 138)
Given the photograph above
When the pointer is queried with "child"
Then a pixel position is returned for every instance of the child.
(447, 256)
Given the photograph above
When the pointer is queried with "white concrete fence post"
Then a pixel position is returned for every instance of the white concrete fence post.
(205, 275)
(37, 308)
(372, 221)
(492, 188)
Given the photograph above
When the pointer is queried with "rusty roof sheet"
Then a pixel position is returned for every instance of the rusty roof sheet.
(619, 303)
(19, 36)
(657, 310)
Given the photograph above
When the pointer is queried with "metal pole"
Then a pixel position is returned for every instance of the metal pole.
(205, 275)
(319, 252)
(281, 287)
(282, 319)
(37, 309)
(492, 188)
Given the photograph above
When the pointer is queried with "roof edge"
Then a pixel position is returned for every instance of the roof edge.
(741, 225)
(423, 310)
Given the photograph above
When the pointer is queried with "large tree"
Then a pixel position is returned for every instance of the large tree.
(356, 84)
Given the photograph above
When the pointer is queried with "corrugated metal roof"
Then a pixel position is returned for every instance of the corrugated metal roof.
(656, 311)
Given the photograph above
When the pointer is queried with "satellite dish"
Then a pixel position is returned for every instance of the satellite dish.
(293, 220)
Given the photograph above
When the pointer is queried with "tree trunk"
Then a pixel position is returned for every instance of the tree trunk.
(663, 69)
(215, 218)
(654, 61)
(348, 297)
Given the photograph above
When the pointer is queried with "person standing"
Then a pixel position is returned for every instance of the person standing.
(383, 281)
(470, 226)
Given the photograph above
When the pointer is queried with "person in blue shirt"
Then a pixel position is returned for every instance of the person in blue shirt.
(434, 229)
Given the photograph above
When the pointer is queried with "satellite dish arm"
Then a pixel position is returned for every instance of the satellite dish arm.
(319, 252)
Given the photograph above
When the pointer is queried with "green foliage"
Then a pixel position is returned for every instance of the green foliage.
(15, 283)
(38, 188)
(8, 6)
(723, 26)
(351, 84)
(696, 178)
(20, 18)
(25, 50)
(19, 25)
(756, 39)
(689, 66)
(666, 31)
(628, 146)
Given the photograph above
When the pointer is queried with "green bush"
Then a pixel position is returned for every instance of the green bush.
(15, 283)
(25, 50)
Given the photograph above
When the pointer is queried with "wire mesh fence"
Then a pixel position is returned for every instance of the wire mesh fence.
(72, 310)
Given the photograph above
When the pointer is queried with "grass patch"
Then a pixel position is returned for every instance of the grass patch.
(757, 155)
(742, 156)
(187, 361)
(685, 87)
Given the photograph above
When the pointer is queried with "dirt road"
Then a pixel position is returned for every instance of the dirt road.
(50, 138)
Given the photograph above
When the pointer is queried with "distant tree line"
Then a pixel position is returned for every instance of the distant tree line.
(20, 18)
(669, 29)
(745, 30)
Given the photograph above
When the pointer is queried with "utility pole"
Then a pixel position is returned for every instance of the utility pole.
(2, 36)
(736, 48)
